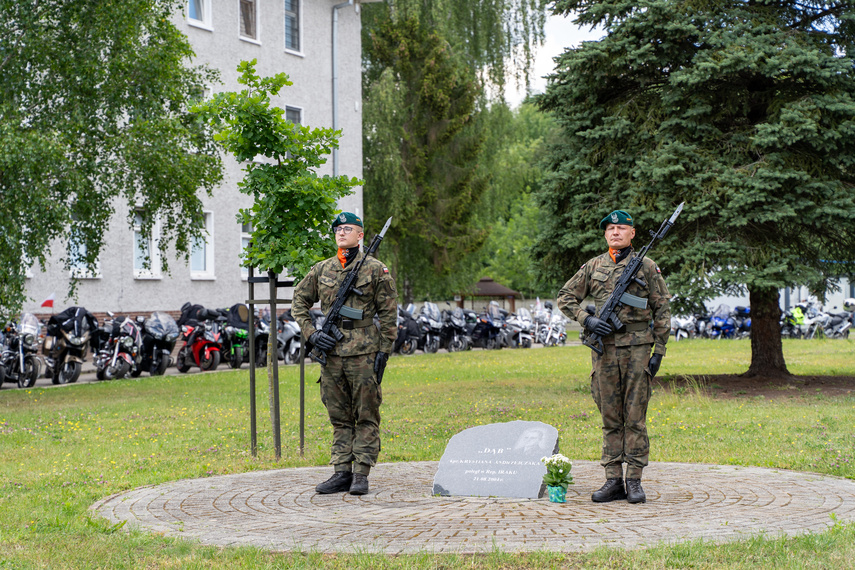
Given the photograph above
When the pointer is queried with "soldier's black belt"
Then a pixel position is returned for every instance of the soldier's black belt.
(634, 327)
(349, 325)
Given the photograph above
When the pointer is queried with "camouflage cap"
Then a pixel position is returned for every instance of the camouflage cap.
(616, 217)
(347, 218)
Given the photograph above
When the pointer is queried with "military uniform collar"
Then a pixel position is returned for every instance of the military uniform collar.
(337, 265)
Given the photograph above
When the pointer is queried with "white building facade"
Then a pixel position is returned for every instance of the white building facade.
(291, 36)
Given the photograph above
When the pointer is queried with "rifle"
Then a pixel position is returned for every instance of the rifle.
(338, 308)
(619, 296)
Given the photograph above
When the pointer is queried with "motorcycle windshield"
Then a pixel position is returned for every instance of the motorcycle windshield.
(29, 324)
(722, 311)
(524, 315)
(162, 323)
(494, 311)
(130, 329)
(431, 310)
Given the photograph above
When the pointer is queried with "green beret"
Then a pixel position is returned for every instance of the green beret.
(347, 218)
(616, 217)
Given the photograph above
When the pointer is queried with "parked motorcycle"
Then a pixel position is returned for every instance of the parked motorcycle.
(722, 323)
(118, 346)
(18, 361)
(289, 338)
(683, 327)
(742, 322)
(66, 344)
(520, 324)
(485, 333)
(159, 335)
(235, 334)
(201, 342)
(262, 336)
(408, 331)
(430, 327)
(453, 334)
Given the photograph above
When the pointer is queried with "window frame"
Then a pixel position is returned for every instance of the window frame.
(80, 271)
(153, 271)
(208, 274)
(207, 22)
(257, 38)
(299, 18)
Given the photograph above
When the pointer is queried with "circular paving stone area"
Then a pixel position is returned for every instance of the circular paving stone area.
(279, 510)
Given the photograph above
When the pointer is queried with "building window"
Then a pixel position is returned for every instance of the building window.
(294, 114)
(146, 255)
(292, 25)
(78, 269)
(199, 13)
(202, 255)
(248, 19)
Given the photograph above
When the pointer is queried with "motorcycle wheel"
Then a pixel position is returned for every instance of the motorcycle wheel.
(68, 372)
(261, 356)
(292, 356)
(2, 373)
(99, 374)
(162, 365)
(117, 373)
(181, 363)
(135, 373)
(237, 357)
(432, 346)
(211, 362)
(408, 347)
(32, 367)
(526, 343)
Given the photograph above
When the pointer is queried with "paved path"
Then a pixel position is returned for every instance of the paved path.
(279, 510)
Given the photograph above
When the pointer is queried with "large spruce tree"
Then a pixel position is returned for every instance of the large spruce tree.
(745, 110)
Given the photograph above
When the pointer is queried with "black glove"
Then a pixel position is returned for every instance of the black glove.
(322, 340)
(653, 364)
(380, 365)
(595, 325)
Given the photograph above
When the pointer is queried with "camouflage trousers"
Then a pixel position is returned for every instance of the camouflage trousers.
(350, 392)
(621, 389)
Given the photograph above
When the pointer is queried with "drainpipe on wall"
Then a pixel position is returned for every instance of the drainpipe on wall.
(335, 78)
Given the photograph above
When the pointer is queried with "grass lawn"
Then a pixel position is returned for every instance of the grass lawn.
(61, 449)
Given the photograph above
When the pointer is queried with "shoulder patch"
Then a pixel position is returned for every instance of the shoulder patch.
(657, 269)
(583, 266)
(385, 269)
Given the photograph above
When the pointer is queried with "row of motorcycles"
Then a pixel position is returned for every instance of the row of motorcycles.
(127, 347)
(456, 329)
(805, 320)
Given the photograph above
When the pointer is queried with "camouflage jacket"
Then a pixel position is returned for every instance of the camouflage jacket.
(597, 279)
(379, 297)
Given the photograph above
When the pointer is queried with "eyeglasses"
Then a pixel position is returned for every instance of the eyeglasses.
(343, 229)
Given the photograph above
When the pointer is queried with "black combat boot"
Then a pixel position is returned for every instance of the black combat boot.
(359, 485)
(338, 483)
(634, 492)
(611, 491)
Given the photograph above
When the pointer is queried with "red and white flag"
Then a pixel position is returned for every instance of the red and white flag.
(49, 301)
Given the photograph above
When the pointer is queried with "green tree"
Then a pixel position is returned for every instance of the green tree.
(293, 206)
(516, 141)
(421, 142)
(93, 118)
(494, 37)
(744, 109)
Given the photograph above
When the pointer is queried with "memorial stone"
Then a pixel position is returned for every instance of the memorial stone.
(496, 460)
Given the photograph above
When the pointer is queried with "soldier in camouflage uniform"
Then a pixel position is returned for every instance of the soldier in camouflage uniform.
(350, 380)
(621, 376)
